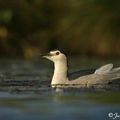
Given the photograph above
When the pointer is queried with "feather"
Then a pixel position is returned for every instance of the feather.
(104, 69)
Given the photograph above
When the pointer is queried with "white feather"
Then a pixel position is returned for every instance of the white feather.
(104, 69)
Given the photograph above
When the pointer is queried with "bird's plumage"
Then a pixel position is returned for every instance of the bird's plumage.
(83, 78)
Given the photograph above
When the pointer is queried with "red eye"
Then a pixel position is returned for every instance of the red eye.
(57, 53)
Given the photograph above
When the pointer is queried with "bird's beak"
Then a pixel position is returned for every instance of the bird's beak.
(46, 56)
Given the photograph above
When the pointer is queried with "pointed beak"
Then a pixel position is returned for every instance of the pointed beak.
(46, 56)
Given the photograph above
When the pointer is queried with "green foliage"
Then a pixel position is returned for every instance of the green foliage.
(88, 27)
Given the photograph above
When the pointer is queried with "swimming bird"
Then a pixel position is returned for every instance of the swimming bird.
(104, 75)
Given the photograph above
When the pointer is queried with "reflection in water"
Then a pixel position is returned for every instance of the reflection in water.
(49, 105)
(82, 106)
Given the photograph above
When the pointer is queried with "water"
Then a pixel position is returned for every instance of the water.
(53, 106)
(48, 105)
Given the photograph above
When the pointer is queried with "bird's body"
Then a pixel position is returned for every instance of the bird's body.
(102, 75)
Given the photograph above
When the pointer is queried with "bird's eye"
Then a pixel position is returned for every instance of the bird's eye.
(57, 53)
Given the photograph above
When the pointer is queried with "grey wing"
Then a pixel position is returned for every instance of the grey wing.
(80, 73)
(104, 69)
(108, 68)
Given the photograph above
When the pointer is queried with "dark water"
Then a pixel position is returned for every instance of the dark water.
(49, 105)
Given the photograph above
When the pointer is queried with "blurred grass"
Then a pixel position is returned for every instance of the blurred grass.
(84, 27)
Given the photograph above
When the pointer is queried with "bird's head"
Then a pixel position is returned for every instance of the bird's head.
(55, 56)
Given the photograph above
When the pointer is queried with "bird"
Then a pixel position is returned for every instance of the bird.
(104, 75)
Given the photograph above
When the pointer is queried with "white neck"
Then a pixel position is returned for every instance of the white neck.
(60, 73)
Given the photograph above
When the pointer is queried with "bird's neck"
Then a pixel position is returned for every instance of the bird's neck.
(60, 73)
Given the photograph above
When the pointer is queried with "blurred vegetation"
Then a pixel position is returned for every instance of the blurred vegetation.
(86, 27)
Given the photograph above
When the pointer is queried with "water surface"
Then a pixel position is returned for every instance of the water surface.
(48, 105)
